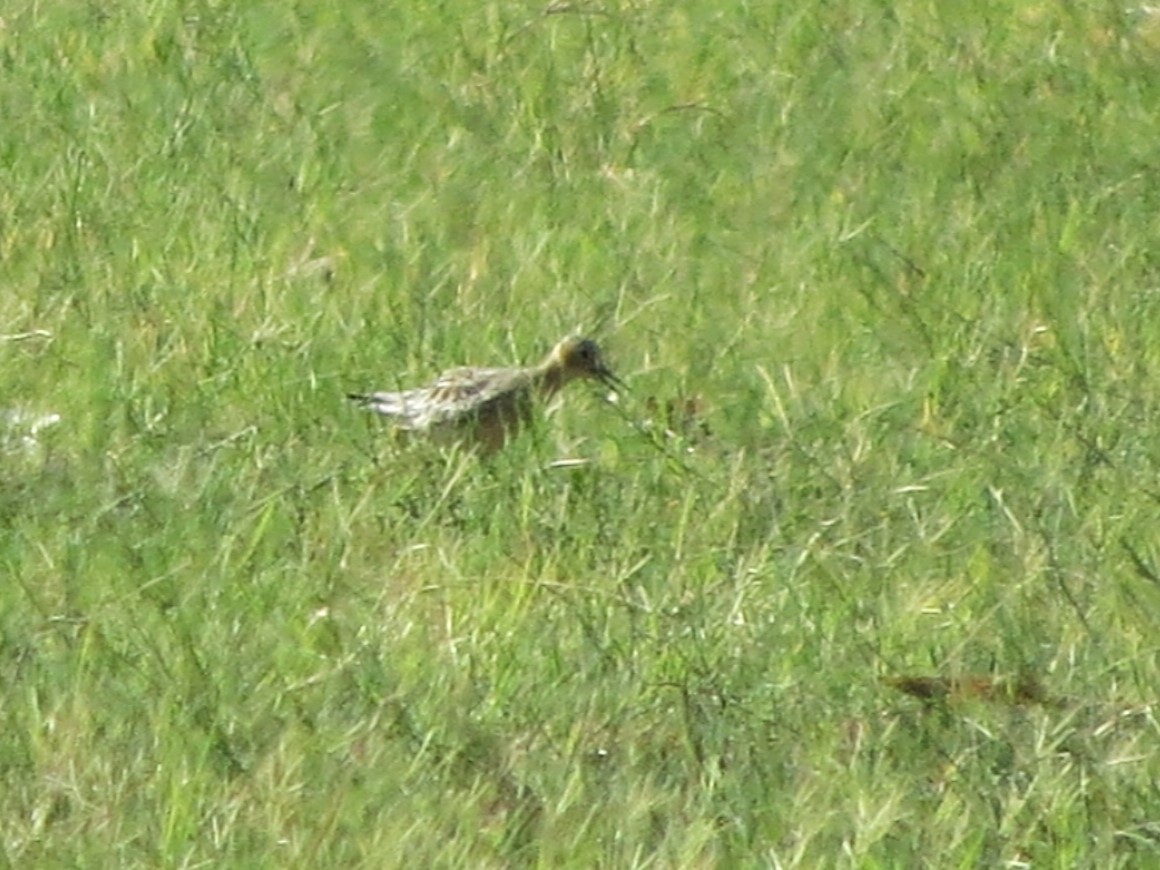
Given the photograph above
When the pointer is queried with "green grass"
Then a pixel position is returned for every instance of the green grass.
(907, 256)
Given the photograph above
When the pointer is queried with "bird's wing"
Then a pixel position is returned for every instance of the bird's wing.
(456, 394)
(463, 392)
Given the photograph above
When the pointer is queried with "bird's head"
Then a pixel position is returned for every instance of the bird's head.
(577, 357)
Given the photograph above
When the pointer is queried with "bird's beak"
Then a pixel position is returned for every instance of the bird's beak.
(607, 377)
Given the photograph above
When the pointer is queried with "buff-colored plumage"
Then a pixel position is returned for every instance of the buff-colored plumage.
(484, 408)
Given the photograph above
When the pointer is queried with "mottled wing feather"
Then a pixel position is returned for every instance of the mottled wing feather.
(469, 385)
(457, 396)
(465, 393)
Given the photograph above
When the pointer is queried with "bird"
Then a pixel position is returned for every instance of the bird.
(484, 408)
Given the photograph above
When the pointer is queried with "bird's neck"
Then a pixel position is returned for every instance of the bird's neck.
(551, 377)
(551, 381)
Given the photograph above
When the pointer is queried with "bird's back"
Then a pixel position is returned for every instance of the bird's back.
(484, 405)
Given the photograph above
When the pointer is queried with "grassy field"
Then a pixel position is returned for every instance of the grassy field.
(863, 570)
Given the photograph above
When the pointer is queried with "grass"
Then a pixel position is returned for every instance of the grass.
(905, 256)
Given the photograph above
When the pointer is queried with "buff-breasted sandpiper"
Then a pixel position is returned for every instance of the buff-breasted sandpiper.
(485, 408)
